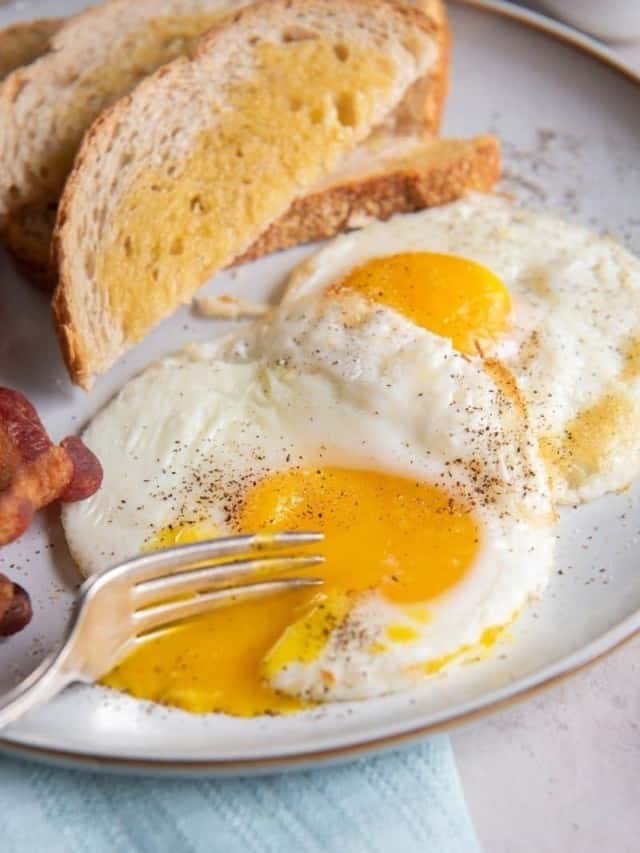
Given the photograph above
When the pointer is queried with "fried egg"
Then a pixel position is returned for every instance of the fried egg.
(338, 415)
(558, 306)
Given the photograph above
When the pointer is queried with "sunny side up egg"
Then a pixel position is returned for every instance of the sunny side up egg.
(337, 415)
(557, 306)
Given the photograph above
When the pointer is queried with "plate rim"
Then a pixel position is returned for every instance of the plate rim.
(603, 646)
(502, 699)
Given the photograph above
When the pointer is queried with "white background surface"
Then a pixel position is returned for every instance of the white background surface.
(561, 772)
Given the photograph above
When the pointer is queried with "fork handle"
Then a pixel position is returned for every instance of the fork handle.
(47, 679)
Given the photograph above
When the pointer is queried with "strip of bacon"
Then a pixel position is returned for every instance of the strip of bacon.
(9, 457)
(87, 471)
(34, 472)
(22, 425)
(35, 484)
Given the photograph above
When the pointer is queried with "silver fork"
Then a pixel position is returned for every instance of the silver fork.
(123, 606)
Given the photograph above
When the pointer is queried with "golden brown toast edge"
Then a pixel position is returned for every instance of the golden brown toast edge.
(474, 165)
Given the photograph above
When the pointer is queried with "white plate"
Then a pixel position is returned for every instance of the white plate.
(570, 122)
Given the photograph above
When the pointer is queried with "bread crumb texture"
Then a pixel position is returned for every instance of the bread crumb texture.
(132, 59)
(228, 307)
(280, 129)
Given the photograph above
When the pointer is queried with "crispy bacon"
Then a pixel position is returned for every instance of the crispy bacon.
(15, 607)
(87, 471)
(22, 424)
(34, 472)
(9, 457)
(34, 484)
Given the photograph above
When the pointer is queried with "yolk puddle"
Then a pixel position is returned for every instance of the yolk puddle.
(409, 540)
(449, 295)
(213, 663)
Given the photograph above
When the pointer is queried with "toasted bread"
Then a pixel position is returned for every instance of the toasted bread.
(429, 173)
(374, 183)
(182, 176)
(100, 55)
(30, 209)
(21, 43)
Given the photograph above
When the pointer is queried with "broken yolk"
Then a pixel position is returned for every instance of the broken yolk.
(213, 663)
(409, 541)
(450, 296)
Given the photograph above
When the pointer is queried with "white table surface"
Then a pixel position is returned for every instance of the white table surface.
(560, 772)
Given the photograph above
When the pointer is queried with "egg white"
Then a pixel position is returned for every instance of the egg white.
(576, 298)
(327, 382)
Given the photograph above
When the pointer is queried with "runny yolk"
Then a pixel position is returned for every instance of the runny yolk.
(213, 663)
(408, 540)
(451, 296)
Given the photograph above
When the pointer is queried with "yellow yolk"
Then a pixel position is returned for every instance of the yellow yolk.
(213, 663)
(407, 540)
(402, 633)
(631, 353)
(182, 534)
(480, 650)
(448, 295)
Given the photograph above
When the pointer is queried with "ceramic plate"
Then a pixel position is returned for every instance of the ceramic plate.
(569, 119)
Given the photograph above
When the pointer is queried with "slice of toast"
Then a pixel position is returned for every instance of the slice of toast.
(97, 57)
(21, 43)
(30, 216)
(183, 175)
(407, 174)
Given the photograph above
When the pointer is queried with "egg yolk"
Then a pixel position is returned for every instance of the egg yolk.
(448, 295)
(409, 541)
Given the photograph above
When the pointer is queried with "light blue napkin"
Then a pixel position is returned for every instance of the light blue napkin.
(407, 802)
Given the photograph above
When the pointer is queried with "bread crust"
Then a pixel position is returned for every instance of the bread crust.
(73, 350)
(433, 179)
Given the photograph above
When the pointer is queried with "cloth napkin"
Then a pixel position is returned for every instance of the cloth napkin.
(410, 801)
